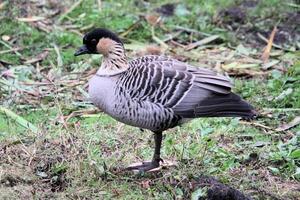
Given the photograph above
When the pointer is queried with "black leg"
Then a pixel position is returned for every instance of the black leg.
(157, 140)
(147, 166)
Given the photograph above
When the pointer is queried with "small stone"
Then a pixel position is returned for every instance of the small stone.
(5, 37)
(42, 174)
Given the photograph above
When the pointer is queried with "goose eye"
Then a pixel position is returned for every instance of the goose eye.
(94, 41)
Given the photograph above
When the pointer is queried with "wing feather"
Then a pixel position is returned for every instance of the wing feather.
(189, 91)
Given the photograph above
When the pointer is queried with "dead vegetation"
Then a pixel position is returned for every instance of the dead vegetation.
(41, 75)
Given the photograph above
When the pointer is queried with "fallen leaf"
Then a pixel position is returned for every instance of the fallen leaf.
(8, 73)
(270, 64)
(243, 50)
(42, 174)
(145, 184)
(266, 54)
(284, 94)
(18, 119)
(294, 122)
(261, 144)
(274, 170)
(153, 50)
(153, 19)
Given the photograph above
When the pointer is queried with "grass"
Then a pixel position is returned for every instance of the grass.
(82, 157)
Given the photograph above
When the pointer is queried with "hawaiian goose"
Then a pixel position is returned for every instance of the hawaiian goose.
(156, 92)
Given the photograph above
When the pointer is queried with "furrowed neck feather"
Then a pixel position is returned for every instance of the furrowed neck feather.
(114, 60)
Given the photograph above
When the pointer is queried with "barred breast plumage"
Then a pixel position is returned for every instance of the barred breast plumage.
(156, 92)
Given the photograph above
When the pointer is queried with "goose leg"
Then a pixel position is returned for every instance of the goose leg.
(147, 166)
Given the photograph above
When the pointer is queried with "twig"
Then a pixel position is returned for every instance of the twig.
(293, 5)
(89, 26)
(76, 32)
(75, 5)
(10, 50)
(257, 125)
(282, 109)
(177, 44)
(133, 26)
(274, 45)
(8, 46)
(59, 59)
(266, 54)
(159, 41)
(80, 113)
(191, 30)
(202, 42)
(20, 120)
(171, 37)
(31, 19)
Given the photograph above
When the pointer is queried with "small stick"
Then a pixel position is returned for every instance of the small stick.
(274, 45)
(266, 54)
(99, 4)
(75, 5)
(159, 41)
(8, 46)
(257, 125)
(191, 30)
(10, 50)
(59, 59)
(133, 26)
(282, 109)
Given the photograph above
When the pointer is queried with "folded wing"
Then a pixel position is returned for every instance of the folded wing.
(189, 91)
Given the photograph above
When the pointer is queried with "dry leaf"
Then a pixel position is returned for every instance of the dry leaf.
(294, 122)
(266, 54)
(145, 184)
(8, 73)
(153, 50)
(153, 19)
(270, 64)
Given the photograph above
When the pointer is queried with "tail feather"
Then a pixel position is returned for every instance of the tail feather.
(228, 105)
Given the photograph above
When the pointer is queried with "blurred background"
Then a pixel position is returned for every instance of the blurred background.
(55, 144)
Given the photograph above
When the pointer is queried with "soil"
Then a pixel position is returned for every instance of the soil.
(248, 28)
(35, 167)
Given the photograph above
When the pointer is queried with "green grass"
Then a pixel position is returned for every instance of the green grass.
(82, 157)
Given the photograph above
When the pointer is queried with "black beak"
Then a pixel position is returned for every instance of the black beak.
(82, 50)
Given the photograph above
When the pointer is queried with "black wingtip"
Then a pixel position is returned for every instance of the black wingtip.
(229, 105)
